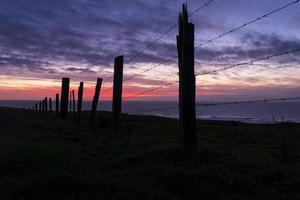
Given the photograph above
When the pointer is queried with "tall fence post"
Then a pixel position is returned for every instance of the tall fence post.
(187, 96)
(79, 101)
(57, 104)
(64, 98)
(36, 106)
(46, 104)
(95, 100)
(117, 92)
(50, 105)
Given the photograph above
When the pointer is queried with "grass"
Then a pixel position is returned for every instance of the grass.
(44, 157)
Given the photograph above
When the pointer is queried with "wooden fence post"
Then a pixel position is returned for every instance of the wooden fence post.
(46, 104)
(50, 105)
(43, 105)
(70, 102)
(64, 98)
(36, 106)
(40, 106)
(74, 112)
(117, 93)
(95, 100)
(187, 112)
(57, 104)
(79, 101)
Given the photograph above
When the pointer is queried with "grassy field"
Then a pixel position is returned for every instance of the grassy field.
(43, 157)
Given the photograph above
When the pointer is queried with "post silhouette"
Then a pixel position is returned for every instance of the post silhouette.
(56, 104)
(70, 102)
(46, 104)
(79, 101)
(64, 98)
(50, 105)
(117, 92)
(73, 98)
(187, 96)
(36, 106)
(40, 106)
(95, 100)
(43, 105)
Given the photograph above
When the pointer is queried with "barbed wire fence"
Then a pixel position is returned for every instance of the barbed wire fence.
(202, 73)
(164, 61)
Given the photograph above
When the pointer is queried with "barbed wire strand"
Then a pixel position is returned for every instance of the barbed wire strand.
(220, 104)
(218, 37)
(221, 35)
(214, 71)
(248, 23)
(247, 63)
(166, 32)
(150, 90)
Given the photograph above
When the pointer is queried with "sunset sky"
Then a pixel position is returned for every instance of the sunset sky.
(42, 41)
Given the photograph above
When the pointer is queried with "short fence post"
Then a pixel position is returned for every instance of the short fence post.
(46, 104)
(40, 106)
(43, 105)
(74, 112)
(70, 102)
(64, 98)
(187, 112)
(50, 105)
(57, 104)
(117, 92)
(79, 101)
(36, 106)
(95, 100)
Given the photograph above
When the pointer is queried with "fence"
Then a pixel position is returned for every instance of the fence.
(186, 80)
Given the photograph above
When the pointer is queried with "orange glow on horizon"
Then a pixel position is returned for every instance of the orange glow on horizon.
(28, 88)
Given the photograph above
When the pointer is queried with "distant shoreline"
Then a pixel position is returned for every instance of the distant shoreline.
(162, 118)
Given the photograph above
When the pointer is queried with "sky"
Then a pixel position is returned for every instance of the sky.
(42, 41)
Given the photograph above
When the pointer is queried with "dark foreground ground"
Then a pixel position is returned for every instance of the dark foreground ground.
(43, 157)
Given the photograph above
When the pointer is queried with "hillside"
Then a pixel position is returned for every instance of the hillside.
(44, 157)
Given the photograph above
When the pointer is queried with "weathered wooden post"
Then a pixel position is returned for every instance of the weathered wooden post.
(64, 98)
(40, 106)
(79, 101)
(43, 105)
(36, 106)
(57, 104)
(187, 109)
(117, 92)
(70, 102)
(74, 111)
(46, 104)
(95, 100)
(50, 105)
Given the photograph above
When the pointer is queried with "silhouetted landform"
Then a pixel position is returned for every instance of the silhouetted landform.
(45, 157)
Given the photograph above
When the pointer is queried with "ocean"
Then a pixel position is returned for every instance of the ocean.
(250, 113)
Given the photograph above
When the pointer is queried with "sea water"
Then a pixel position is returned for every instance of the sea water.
(250, 113)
